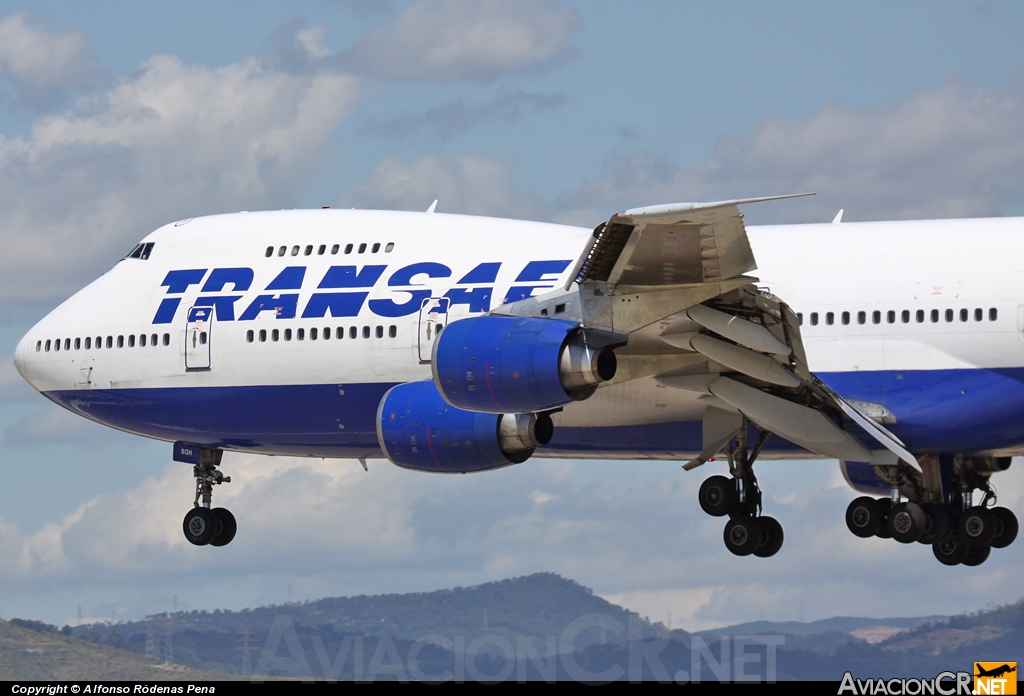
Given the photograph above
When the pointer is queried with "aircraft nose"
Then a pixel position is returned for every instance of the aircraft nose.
(19, 358)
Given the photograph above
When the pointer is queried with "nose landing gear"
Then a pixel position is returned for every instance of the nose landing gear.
(203, 524)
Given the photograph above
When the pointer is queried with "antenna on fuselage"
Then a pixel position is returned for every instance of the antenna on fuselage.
(432, 207)
(838, 219)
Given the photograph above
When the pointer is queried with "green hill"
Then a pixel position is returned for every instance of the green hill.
(41, 653)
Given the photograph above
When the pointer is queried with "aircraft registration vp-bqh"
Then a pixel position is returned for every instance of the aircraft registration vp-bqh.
(456, 344)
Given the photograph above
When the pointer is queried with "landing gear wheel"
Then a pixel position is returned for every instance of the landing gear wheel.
(907, 522)
(863, 517)
(938, 525)
(743, 535)
(885, 506)
(772, 531)
(979, 527)
(199, 526)
(227, 525)
(718, 496)
(1006, 535)
(977, 556)
(952, 550)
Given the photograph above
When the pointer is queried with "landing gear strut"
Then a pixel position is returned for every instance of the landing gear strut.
(747, 532)
(204, 524)
(958, 531)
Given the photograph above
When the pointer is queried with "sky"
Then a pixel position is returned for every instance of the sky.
(119, 117)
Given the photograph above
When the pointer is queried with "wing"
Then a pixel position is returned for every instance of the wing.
(669, 280)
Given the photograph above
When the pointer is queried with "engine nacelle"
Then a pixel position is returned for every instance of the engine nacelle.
(498, 364)
(418, 429)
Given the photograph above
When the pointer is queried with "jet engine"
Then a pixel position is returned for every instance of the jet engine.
(499, 364)
(417, 429)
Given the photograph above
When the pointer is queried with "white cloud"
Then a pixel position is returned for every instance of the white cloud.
(169, 142)
(955, 151)
(469, 184)
(463, 40)
(41, 63)
(330, 529)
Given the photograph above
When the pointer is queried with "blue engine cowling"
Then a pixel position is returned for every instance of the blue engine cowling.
(418, 429)
(499, 364)
(862, 477)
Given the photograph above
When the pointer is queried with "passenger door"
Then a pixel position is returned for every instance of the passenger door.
(433, 317)
(198, 336)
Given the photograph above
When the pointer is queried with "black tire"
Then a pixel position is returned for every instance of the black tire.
(907, 522)
(773, 537)
(863, 517)
(951, 551)
(885, 506)
(743, 535)
(718, 496)
(1008, 532)
(228, 527)
(939, 523)
(977, 556)
(199, 526)
(978, 526)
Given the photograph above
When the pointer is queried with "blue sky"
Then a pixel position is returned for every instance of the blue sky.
(117, 118)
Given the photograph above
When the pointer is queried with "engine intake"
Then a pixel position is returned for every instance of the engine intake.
(418, 429)
(498, 364)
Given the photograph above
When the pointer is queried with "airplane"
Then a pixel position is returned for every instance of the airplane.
(996, 671)
(456, 344)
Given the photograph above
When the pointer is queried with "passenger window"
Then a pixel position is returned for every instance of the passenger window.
(353, 332)
(120, 341)
(78, 344)
(327, 333)
(99, 342)
(131, 341)
(876, 317)
(862, 317)
(846, 318)
(964, 315)
(348, 248)
(890, 317)
(978, 315)
(67, 344)
(202, 338)
(275, 335)
(814, 318)
(88, 342)
(376, 248)
(281, 251)
(935, 315)
(334, 249)
(392, 331)
(920, 316)
(250, 335)
(993, 314)
(142, 340)
(39, 345)
(152, 340)
(167, 339)
(300, 334)
(48, 342)
(287, 334)
(380, 332)
(313, 333)
(270, 251)
(389, 247)
(830, 318)
(110, 341)
(362, 248)
(366, 332)
(800, 318)
(309, 250)
(321, 250)
(905, 316)
(263, 335)
(56, 344)
(949, 315)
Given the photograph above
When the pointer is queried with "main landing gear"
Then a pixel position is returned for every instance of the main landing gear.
(747, 532)
(203, 525)
(958, 531)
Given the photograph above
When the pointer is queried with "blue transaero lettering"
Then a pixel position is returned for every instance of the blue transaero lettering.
(343, 290)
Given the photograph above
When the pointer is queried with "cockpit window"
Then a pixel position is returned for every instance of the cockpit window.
(141, 251)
